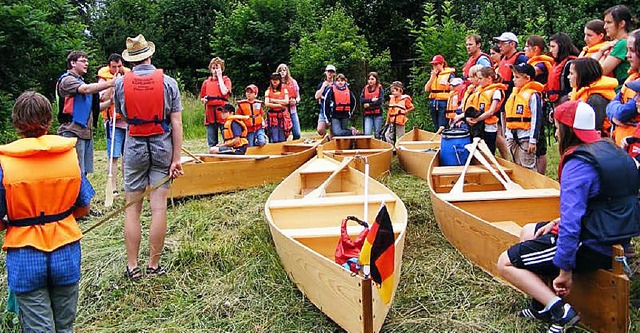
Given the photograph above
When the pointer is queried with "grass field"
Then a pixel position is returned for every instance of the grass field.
(225, 276)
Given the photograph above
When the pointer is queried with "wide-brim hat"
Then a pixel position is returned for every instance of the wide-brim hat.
(138, 49)
(580, 117)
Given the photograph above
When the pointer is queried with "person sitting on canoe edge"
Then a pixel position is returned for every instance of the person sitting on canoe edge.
(339, 104)
(597, 180)
(399, 105)
(42, 236)
(252, 108)
(234, 133)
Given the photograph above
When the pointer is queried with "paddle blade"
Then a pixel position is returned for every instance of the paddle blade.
(108, 191)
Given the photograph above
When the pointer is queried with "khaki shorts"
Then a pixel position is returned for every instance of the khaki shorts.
(146, 161)
(520, 154)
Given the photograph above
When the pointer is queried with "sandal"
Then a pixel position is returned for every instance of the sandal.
(133, 274)
(156, 271)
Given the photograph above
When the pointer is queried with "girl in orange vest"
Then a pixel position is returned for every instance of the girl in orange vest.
(372, 98)
(491, 94)
(252, 108)
(276, 99)
(215, 94)
(294, 98)
(339, 104)
(591, 87)
(399, 106)
(595, 37)
(534, 49)
(438, 88)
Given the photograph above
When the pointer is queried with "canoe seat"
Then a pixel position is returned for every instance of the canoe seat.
(352, 230)
(457, 170)
(330, 201)
(355, 137)
(355, 151)
(501, 195)
(411, 143)
(509, 226)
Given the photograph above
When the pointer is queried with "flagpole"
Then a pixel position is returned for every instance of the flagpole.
(366, 189)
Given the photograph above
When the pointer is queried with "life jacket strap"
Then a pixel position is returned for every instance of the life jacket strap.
(138, 121)
(41, 219)
(518, 119)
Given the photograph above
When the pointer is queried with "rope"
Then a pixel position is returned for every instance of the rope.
(623, 260)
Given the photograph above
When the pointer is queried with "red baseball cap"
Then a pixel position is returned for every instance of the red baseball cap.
(437, 59)
(252, 88)
(580, 117)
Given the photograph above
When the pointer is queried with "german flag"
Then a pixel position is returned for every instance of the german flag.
(378, 252)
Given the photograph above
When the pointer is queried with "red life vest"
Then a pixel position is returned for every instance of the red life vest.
(342, 99)
(504, 68)
(281, 94)
(227, 132)
(279, 117)
(634, 143)
(368, 94)
(215, 100)
(472, 61)
(76, 107)
(40, 204)
(104, 73)
(253, 110)
(553, 83)
(144, 103)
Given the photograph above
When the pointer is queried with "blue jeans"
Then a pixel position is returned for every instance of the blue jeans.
(212, 133)
(340, 127)
(438, 109)
(257, 138)
(373, 123)
(84, 149)
(295, 130)
(51, 309)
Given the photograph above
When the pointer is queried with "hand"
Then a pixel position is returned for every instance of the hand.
(562, 284)
(204, 99)
(218, 72)
(547, 228)
(176, 169)
(434, 72)
(366, 105)
(472, 121)
(375, 99)
(532, 148)
(292, 101)
(637, 103)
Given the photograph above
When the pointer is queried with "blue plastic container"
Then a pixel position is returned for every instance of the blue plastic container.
(452, 151)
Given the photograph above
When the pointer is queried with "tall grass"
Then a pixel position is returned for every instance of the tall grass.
(225, 276)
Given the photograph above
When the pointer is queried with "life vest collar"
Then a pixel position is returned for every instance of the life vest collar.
(32, 146)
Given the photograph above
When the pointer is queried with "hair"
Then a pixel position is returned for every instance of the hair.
(397, 85)
(620, 13)
(476, 38)
(596, 26)
(568, 138)
(216, 60)
(341, 76)
(495, 48)
(228, 108)
(588, 71)
(276, 76)
(74, 56)
(565, 46)
(636, 43)
(490, 72)
(115, 58)
(287, 77)
(376, 76)
(475, 69)
(535, 40)
(31, 114)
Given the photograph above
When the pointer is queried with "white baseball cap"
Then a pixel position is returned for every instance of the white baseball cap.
(506, 37)
(580, 117)
(330, 68)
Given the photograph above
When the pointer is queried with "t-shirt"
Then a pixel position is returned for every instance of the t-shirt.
(68, 86)
(620, 72)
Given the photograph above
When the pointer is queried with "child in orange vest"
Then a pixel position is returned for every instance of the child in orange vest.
(215, 94)
(438, 88)
(399, 106)
(252, 108)
(234, 133)
(339, 104)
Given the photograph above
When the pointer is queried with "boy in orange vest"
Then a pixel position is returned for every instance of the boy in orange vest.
(234, 133)
(438, 88)
(42, 237)
(399, 106)
(252, 108)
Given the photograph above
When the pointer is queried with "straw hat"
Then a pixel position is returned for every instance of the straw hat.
(138, 49)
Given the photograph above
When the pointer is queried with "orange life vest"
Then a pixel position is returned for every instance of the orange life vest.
(144, 103)
(485, 98)
(279, 116)
(469, 99)
(504, 68)
(588, 51)
(40, 204)
(517, 110)
(472, 61)
(397, 113)
(440, 86)
(227, 132)
(253, 110)
(452, 105)
(546, 60)
(342, 99)
(376, 93)
(105, 74)
(626, 94)
(215, 100)
(553, 85)
(604, 87)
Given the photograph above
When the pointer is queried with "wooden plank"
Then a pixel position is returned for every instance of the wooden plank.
(355, 151)
(501, 195)
(329, 201)
(236, 157)
(335, 231)
(509, 226)
(412, 143)
(456, 170)
(353, 137)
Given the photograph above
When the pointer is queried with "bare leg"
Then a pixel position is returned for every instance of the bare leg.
(541, 164)
(525, 280)
(132, 229)
(321, 128)
(158, 229)
(528, 232)
(501, 143)
(114, 175)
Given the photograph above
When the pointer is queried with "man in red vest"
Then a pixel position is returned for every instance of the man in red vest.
(151, 104)
(473, 43)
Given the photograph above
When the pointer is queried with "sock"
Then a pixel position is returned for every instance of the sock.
(551, 303)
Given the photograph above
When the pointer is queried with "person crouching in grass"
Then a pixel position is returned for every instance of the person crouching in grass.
(234, 133)
(42, 237)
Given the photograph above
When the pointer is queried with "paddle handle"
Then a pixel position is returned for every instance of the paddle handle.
(196, 158)
(319, 191)
(459, 185)
(440, 129)
(485, 150)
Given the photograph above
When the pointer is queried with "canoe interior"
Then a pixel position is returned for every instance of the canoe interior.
(378, 152)
(493, 219)
(415, 150)
(306, 230)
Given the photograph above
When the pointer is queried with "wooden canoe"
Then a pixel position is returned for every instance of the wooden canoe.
(306, 230)
(378, 152)
(486, 219)
(221, 173)
(415, 150)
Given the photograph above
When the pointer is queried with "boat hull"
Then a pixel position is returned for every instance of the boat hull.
(415, 150)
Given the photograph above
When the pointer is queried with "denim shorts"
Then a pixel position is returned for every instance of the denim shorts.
(121, 133)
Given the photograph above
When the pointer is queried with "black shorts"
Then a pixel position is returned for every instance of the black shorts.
(536, 255)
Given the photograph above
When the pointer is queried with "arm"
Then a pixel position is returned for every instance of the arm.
(612, 55)
(224, 83)
(535, 103)
(619, 112)
(434, 75)
(320, 91)
(409, 105)
(95, 87)
(175, 170)
(203, 91)
(328, 102)
(83, 202)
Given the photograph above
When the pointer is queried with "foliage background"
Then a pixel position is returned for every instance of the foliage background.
(394, 38)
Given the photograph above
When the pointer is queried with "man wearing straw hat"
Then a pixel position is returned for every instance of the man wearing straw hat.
(151, 104)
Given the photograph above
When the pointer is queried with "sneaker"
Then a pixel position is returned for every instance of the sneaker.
(95, 213)
(535, 311)
(563, 316)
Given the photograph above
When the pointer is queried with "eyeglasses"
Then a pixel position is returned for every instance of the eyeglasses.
(82, 60)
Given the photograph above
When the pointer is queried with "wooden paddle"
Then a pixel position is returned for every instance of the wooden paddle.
(108, 189)
(485, 150)
(436, 133)
(459, 185)
(196, 158)
(478, 155)
(320, 190)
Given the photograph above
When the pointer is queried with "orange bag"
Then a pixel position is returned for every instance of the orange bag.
(347, 250)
